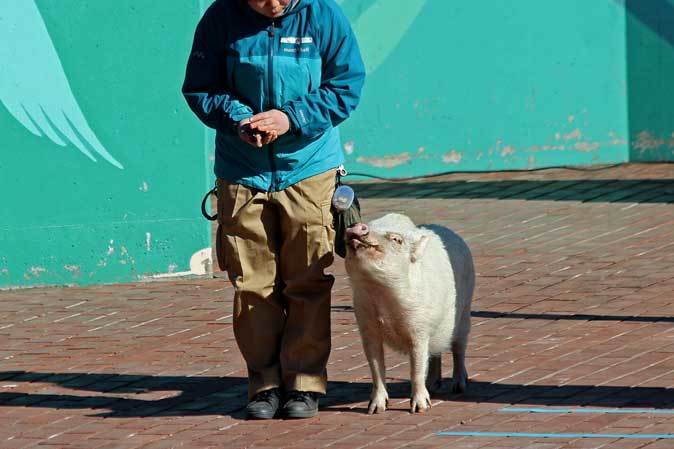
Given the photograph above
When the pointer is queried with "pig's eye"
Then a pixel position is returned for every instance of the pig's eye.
(395, 238)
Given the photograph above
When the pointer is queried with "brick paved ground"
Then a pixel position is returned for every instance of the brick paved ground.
(574, 308)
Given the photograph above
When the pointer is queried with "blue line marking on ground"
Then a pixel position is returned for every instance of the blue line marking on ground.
(649, 436)
(620, 411)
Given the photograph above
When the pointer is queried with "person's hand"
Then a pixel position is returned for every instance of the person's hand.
(252, 137)
(247, 135)
(270, 122)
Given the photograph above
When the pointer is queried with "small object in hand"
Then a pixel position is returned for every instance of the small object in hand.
(247, 130)
(343, 197)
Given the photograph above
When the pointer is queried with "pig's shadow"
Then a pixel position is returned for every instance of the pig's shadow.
(126, 396)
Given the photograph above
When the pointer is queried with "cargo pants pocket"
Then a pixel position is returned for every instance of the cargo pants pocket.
(228, 195)
(321, 237)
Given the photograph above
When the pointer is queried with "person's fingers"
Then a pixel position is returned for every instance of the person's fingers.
(258, 117)
(267, 128)
(260, 135)
(253, 140)
(269, 137)
(244, 124)
(264, 123)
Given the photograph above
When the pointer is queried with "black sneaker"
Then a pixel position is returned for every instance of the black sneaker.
(301, 404)
(264, 404)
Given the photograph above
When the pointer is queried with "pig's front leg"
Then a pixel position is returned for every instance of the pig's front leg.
(421, 400)
(373, 346)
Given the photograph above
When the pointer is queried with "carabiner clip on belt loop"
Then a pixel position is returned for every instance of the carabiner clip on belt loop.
(213, 191)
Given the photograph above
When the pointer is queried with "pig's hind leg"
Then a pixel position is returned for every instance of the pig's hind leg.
(459, 373)
(459, 340)
(434, 378)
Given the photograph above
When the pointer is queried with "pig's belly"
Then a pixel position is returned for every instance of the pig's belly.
(399, 333)
(441, 339)
(396, 335)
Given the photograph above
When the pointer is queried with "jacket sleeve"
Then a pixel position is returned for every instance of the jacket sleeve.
(342, 80)
(203, 88)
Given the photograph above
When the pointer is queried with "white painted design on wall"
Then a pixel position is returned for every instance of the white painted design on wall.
(377, 42)
(33, 85)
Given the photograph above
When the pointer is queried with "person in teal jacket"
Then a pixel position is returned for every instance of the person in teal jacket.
(275, 78)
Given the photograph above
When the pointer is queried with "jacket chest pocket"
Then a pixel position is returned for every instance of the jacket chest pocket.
(247, 79)
(294, 78)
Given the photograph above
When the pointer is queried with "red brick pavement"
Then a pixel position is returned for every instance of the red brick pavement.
(574, 308)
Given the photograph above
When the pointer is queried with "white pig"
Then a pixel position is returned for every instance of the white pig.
(412, 289)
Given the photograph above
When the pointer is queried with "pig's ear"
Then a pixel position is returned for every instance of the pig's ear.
(418, 248)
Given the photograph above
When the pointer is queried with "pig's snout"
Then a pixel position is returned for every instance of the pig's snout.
(356, 236)
(357, 231)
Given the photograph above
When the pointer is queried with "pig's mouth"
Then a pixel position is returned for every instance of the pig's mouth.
(358, 238)
(357, 243)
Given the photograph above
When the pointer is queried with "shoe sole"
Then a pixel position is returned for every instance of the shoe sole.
(300, 414)
(260, 415)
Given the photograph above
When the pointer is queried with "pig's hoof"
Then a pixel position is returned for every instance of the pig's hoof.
(377, 404)
(420, 402)
(458, 385)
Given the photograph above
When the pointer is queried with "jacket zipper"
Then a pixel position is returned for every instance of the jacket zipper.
(270, 99)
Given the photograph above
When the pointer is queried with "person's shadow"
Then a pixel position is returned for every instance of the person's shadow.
(209, 395)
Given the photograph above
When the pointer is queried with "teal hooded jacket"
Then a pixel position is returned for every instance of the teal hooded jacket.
(305, 63)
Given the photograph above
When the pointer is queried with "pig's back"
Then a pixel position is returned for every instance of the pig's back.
(461, 277)
(392, 223)
(457, 250)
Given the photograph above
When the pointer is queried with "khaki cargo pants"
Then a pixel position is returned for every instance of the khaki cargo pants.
(274, 247)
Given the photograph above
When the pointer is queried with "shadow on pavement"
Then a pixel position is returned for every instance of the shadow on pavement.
(573, 317)
(209, 395)
(605, 190)
(547, 316)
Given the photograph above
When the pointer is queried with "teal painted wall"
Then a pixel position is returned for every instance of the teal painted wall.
(481, 85)
(65, 218)
(650, 64)
(489, 85)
